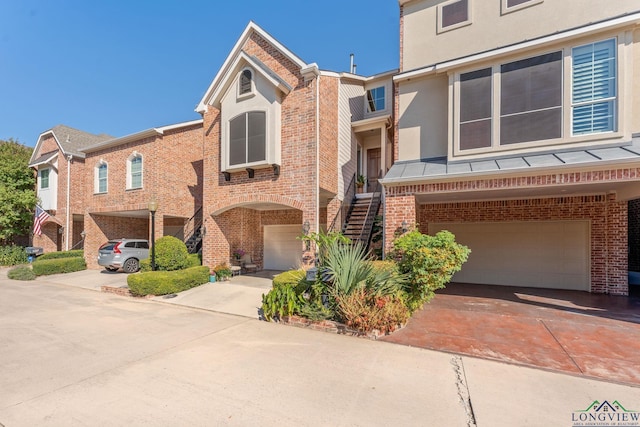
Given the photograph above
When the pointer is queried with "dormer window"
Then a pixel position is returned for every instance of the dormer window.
(245, 85)
(375, 99)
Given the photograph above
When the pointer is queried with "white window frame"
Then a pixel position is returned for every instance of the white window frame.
(266, 140)
(506, 9)
(252, 91)
(567, 136)
(96, 176)
(441, 28)
(133, 156)
(366, 99)
(40, 178)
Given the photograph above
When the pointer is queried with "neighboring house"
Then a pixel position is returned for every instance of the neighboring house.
(123, 175)
(517, 127)
(283, 142)
(59, 163)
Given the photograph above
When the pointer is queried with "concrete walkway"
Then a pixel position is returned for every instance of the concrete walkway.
(571, 332)
(74, 358)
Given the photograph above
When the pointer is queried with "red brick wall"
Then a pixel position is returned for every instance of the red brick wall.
(296, 188)
(329, 133)
(172, 174)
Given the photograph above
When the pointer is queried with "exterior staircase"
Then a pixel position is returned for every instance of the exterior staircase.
(193, 232)
(358, 225)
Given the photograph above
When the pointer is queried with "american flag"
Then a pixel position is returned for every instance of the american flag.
(40, 218)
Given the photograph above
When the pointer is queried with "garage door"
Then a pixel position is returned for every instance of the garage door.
(549, 254)
(282, 251)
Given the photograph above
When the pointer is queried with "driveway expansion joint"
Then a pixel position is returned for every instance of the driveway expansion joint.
(463, 390)
(564, 350)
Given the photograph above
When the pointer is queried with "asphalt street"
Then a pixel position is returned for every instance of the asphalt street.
(77, 357)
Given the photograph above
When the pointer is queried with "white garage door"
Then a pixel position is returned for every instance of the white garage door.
(282, 251)
(549, 254)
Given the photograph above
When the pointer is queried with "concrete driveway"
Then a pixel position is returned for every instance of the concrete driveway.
(72, 357)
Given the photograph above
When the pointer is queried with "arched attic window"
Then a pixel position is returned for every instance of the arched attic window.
(134, 171)
(101, 177)
(245, 85)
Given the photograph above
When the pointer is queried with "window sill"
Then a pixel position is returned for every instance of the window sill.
(255, 165)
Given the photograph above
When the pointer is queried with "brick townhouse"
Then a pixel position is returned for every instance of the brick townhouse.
(525, 142)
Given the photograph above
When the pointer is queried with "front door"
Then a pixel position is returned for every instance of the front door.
(373, 168)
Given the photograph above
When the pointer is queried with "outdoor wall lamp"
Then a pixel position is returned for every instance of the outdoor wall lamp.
(153, 207)
(404, 226)
(83, 234)
(306, 227)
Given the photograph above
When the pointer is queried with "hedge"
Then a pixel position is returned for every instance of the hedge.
(167, 282)
(12, 255)
(76, 253)
(54, 266)
(21, 272)
(194, 260)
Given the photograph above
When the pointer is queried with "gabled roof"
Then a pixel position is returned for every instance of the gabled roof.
(234, 57)
(70, 141)
(112, 142)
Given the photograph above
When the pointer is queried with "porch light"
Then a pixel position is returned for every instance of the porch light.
(83, 234)
(404, 226)
(306, 227)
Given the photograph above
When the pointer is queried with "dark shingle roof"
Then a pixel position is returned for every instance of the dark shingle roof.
(73, 140)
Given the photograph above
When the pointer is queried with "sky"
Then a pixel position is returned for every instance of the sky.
(122, 66)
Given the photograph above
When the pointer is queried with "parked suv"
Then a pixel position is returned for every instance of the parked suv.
(123, 253)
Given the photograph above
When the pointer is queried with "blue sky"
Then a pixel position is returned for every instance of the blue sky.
(121, 66)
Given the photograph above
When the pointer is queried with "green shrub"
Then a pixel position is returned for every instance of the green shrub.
(281, 301)
(12, 255)
(55, 266)
(145, 265)
(195, 260)
(167, 282)
(79, 253)
(21, 272)
(171, 254)
(291, 277)
(430, 262)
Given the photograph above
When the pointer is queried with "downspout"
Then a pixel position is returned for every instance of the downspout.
(317, 226)
(66, 228)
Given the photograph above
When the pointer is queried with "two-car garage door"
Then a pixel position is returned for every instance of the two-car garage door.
(544, 254)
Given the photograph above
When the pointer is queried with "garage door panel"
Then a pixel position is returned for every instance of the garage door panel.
(282, 249)
(550, 254)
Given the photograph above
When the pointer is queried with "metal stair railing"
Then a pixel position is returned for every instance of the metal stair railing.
(372, 210)
(345, 205)
(191, 231)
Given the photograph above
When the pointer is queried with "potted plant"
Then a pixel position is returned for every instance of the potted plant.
(360, 180)
(222, 271)
(212, 276)
(238, 254)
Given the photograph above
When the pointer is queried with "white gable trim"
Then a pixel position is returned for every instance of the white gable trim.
(36, 150)
(228, 78)
(232, 57)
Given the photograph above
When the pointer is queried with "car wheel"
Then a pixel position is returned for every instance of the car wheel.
(131, 265)
(111, 269)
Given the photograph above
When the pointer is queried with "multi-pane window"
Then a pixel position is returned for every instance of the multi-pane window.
(135, 172)
(44, 178)
(522, 101)
(245, 82)
(475, 109)
(247, 138)
(453, 14)
(375, 99)
(101, 176)
(593, 87)
(531, 99)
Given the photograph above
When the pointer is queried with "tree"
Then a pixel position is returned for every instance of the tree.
(17, 190)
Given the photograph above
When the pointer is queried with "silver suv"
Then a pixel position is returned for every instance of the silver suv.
(123, 253)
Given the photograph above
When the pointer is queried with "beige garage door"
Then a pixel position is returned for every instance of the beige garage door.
(282, 251)
(547, 254)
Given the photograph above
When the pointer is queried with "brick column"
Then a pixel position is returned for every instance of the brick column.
(397, 208)
(617, 247)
